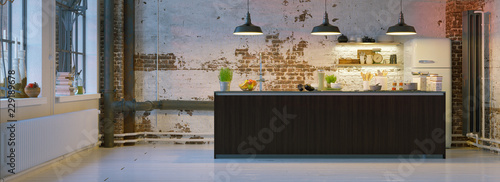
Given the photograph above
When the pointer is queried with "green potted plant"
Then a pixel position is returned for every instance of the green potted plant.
(330, 79)
(225, 78)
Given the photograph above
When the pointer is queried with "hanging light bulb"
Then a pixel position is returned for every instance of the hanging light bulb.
(326, 28)
(248, 28)
(401, 28)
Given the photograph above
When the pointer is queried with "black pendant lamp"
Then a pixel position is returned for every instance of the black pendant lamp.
(326, 28)
(248, 28)
(401, 28)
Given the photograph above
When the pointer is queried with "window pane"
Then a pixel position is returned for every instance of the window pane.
(11, 56)
(70, 36)
(4, 57)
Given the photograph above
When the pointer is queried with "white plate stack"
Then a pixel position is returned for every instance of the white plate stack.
(64, 84)
(434, 83)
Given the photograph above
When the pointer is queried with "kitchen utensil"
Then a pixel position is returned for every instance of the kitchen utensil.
(369, 59)
(366, 76)
(366, 85)
(343, 38)
(349, 61)
(368, 39)
(382, 81)
(375, 87)
(366, 52)
(352, 39)
(421, 82)
(410, 86)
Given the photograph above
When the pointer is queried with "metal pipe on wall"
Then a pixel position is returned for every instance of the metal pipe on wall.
(483, 57)
(128, 64)
(132, 106)
(108, 92)
(128, 105)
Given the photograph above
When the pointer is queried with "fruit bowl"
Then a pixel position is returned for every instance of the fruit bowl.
(32, 90)
(248, 85)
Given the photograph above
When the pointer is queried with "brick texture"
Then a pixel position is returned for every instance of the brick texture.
(454, 9)
(285, 64)
(118, 56)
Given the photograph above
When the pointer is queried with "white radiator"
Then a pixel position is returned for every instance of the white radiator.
(42, 139)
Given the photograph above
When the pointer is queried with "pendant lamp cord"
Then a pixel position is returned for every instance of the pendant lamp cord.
(248, 6)
(401, 4)
(325, 6)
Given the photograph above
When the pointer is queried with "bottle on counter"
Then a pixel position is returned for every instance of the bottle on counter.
(321, 80)
(400, 88)
(394, 85)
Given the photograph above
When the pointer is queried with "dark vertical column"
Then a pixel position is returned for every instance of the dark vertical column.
(108, 92)
(128, 57)
(466, 72)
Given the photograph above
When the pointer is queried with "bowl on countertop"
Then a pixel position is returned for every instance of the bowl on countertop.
(410, 86)
(375, 87)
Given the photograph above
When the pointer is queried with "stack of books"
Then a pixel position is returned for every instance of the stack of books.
(64, 84)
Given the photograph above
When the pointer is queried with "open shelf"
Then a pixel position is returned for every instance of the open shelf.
(369, 43)
(374, 65)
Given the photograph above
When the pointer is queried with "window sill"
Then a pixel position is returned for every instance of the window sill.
(74, 98)
(23, 102)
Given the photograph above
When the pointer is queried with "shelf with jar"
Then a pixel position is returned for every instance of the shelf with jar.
(369, 57)
(373, 65)
(369, 43)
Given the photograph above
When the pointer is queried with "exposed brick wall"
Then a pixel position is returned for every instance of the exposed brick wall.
(454, 9)
(189, 59)
(118, 56)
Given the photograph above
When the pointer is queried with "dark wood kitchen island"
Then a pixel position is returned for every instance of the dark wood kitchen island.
(329, 124)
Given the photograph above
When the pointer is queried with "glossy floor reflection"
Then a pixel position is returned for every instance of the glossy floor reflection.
(168, 162)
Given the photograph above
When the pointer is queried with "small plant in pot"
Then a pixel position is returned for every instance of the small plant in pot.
(225, 78)
(331, 82)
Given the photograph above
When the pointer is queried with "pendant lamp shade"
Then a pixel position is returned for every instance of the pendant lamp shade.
(248, 28)
(401, 28)
(326, 28)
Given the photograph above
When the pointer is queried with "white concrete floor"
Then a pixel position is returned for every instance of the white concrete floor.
(168, 162)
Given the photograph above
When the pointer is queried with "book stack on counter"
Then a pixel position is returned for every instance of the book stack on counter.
(64, 84)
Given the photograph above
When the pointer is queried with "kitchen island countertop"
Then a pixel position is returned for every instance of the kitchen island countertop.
(291, 93)
(329, 124)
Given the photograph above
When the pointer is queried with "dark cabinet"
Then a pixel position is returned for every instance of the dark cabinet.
(329, 124)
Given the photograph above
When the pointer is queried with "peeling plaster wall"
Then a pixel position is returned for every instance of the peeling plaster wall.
(493, 6)
(195, 40)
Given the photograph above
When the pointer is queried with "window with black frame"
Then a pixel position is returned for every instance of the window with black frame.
(13, 63)
(70, 46)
